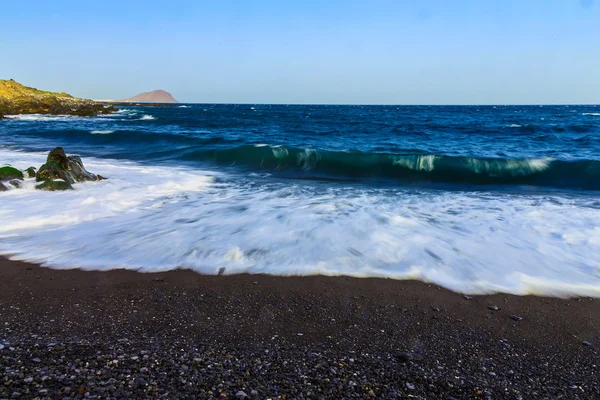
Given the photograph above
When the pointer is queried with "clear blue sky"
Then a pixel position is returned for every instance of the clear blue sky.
(308, 51)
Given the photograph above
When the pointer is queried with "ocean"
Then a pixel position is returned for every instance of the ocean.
(477, 199)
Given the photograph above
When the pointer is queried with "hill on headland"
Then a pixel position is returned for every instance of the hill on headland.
(155, 96)
(16, 98)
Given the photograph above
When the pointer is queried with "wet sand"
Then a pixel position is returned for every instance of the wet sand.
(178, 334)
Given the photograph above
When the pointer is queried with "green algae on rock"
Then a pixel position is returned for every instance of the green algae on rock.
(54, 185)
(7, 172)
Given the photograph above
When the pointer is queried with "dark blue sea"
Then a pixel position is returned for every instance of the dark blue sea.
(474, 198)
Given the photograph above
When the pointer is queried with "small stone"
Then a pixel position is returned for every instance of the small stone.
(28, 380)
(467, 297)
(36, 360)
(241, 395)
(493, 308)
(300, 334)
(436, 309)
(410, 386)
(586, 343)
(516, 317)
(1, 346)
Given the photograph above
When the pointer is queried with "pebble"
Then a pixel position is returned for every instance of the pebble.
(241, 395)
(467, 297)
(1, 346)
(586, 343)
(410, 386)
(36, 360)
(516, 317)
(493, 308)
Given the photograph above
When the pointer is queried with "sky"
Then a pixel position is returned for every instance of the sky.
(308, 51)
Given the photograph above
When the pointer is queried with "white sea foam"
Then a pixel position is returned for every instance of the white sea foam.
(107, 132)
(40, 117)
(514, 126)
(510, 167)
(183, 107)
(592, 114)
(156, 218)
(147, 117)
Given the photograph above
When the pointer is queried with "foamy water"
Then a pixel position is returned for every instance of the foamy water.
(156, 218)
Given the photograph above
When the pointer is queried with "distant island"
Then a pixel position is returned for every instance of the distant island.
(155, 96)
(16, 98)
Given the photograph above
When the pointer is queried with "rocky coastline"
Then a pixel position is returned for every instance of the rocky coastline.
(16, 99)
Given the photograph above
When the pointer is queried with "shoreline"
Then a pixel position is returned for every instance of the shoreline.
(404, 337)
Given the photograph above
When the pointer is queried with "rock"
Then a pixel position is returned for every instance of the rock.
(70, 169)
(2, 187)
(241, 395)
(1, 346)
(410, 386)
(16, 183)
(586, 343)
(7, 172)
(30, 172)
(141, 382)
(54, 185)
(36, 360)
(493, 308)
(516, 317)
(467, 297)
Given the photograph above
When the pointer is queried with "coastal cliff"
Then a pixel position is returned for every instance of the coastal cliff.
(16, 98)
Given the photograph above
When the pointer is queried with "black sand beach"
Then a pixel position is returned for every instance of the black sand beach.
(122, 334)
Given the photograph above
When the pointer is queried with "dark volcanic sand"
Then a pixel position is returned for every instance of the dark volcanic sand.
(123, 334)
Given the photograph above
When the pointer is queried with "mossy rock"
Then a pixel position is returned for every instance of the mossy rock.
(54, 185)
(69, 169)
(7, 172)
(51, 171)
(30, 172)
